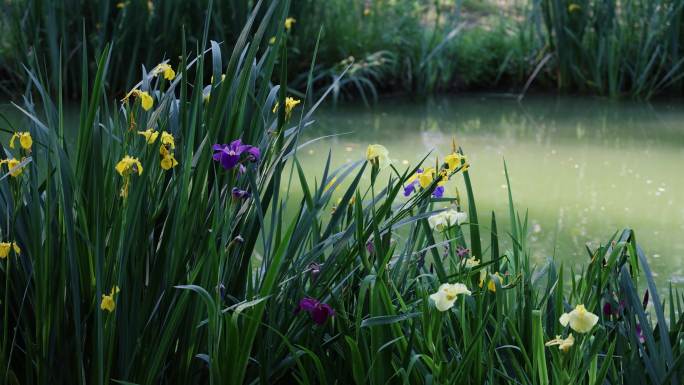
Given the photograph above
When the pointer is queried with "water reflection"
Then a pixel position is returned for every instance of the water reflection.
(584, 168)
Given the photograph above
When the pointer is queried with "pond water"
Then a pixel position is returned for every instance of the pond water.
(583, 168)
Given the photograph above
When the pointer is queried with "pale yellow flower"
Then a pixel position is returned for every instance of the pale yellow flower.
(166, 69)
(378, 154)
(445, 297)
(580, 319)
(471, 262)
(446, 219)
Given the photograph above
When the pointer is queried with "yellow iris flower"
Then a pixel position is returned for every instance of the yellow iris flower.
(453, 160)
(150, 135)
(5, 248)
(25, 140)
(289, 22)
(107, 302)
(13, 166)
(129, 165)
(166, 69)
(145, 99)
(491, 285)
(168, 162)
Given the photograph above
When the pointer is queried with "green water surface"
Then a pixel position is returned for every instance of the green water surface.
(584, 168)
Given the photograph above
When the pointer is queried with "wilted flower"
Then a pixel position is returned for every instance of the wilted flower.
(640, 333)
(378, 155)
(229, 154)
(445, 219)
(236, 193)
(462, 251)
(315, 270)
(580, 319)
(25, 140)
(563, 344)
(446, 295)
(319, 312)
(471, 262)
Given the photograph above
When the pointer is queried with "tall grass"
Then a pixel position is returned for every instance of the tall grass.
(209, 284)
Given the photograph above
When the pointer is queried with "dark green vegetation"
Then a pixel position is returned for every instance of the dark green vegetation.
(208, 284)
(605, 47)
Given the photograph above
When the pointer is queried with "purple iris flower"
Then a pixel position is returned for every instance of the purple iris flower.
(229, 154)
(239, 194)
(439, 192)
(319, 312)
(408, 190)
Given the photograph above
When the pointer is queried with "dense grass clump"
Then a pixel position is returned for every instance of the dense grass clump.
(162, 242)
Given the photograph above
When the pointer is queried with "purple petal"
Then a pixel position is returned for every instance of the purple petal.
(242, 169)
(239, 194)
(408, 190)
(307, 304)
(321, 313)
(439, 192)
(238, 147)
(218, 147)
(229, 161)
(254, 153)
(607, 309)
